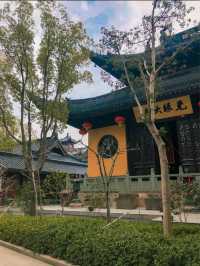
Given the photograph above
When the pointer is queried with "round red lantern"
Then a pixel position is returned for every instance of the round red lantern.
(198, 104)
(82, 131)
(87, 125)
(120, 120)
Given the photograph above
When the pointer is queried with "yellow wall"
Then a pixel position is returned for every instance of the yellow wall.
(120, 167)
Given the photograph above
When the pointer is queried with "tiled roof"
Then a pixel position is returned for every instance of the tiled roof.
(180, 79)
(54, 163)
(93, 109)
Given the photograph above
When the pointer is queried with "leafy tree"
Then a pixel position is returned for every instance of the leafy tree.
(38, 79)
(53, 187)
(165, 15)
(182, 195)
(53, 184)
(6, 141)
(105, 177)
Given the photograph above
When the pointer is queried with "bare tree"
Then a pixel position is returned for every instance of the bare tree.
(106, 173)
(103, 153)
(165, 15)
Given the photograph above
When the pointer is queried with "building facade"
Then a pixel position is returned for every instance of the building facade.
(115, 129)
(58, 160)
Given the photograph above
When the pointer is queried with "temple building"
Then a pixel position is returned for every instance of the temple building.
(58, 160)
(113, 124)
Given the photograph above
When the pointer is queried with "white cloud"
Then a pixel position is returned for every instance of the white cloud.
(84, 6)
(85, 90)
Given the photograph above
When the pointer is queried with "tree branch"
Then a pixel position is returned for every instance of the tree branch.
(168, 60)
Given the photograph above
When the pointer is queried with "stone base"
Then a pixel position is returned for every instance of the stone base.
(75, 205)
(149, 201)
(127, 201)
(97, 200)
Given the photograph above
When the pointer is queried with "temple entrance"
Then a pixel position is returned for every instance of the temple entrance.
(142, 151)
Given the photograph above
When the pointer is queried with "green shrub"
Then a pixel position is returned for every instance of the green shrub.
(84, 242)
(26, 197)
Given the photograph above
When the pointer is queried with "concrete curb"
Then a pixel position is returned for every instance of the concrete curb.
(27, 252)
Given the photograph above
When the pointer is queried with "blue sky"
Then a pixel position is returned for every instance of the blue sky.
(94, 15)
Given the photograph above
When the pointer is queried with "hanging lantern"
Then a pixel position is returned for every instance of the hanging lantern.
(120, 120)
(87, 125)
(82, 131)
(189, 179)
(198, 104)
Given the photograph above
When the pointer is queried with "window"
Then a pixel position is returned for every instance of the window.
(108, 146)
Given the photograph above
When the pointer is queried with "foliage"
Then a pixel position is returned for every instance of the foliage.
(85, 242)
(184, 193)
(6, 143)
(53, 184)
(38, 75)
(24, 197)
(96, 200)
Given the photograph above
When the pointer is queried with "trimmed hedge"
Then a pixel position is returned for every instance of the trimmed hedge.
(84, 242)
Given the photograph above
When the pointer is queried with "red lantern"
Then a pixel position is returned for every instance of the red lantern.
(87, 125)
(82, 131)
(120, 120)
(198, 104)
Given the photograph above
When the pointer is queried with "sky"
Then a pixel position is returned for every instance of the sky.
(95, 14)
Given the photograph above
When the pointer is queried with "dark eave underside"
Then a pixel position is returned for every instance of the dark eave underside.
(93, 109)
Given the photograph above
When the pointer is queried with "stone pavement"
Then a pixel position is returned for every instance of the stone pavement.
(120, 211)
(9, 257)
(153, 214)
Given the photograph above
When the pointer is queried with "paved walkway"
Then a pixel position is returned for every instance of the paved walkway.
(152, 214)
(11, 258)
(84, 209)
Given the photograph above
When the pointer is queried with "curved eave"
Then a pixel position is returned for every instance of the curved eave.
(96, 108)
(191, 57)
(92, 108)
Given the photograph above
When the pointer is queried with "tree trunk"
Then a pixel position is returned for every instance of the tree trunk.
(35, 195)
(108, 216)
(165, 186)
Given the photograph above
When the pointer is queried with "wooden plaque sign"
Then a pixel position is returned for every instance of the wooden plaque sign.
(179, 106)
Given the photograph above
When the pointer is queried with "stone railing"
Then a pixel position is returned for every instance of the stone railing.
(133, 184)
